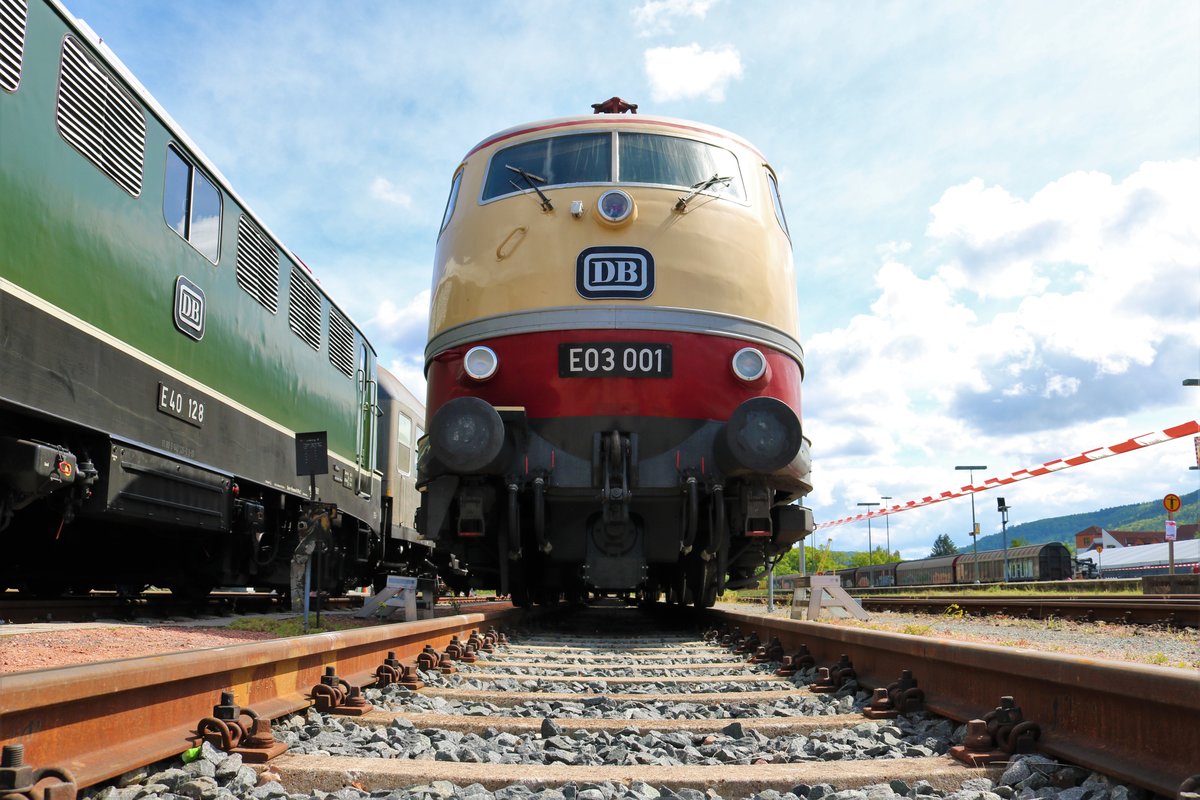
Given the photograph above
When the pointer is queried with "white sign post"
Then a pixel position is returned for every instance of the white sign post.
(1171, 503)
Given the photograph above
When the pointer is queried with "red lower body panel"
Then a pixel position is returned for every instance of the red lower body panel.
(702, 385)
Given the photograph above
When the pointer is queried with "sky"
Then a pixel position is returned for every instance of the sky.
(994, 207)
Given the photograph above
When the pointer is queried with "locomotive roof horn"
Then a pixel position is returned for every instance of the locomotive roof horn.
(614, 105)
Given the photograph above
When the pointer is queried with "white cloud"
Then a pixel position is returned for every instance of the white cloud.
(384, 190)
(683, 73)
(933, 375)
(405, 326)
(411, 372)
(1131, 250)
(658, 16)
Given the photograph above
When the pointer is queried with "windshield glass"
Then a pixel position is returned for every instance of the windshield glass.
(671, 161)
(579, 158)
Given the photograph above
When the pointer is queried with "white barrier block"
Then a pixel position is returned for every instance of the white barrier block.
(399, 593)
(815, 592)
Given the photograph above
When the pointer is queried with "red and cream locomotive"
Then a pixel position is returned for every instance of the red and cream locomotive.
(613, 363)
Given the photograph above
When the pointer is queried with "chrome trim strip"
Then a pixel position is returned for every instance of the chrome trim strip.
(645, 318)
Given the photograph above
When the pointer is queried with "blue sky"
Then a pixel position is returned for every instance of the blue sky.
(995, 207)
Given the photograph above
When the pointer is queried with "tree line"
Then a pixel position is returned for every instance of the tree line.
(821, 558)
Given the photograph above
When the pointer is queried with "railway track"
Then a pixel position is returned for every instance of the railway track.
(1171, 611)
(15, 608)
(1177, 611)
(600, 676)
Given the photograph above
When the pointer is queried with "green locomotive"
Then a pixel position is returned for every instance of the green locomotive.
(161, 350)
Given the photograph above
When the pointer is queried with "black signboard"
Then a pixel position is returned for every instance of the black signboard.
(312, 453)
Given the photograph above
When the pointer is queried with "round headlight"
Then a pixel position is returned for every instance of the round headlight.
(481, 362)
(749, 364)
(762, 435)
(466, 435)
(615, 205)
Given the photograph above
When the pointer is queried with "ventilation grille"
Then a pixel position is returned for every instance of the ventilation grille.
(99, 120)
(257, 265)
(14, 14)
(304, 310)
(341, 343)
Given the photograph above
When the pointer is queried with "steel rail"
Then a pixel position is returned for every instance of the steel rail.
(1175, 611)
(17, 608)
(101, 720)
(1134, 722)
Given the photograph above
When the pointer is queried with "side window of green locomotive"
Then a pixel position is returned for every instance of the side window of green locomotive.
(451, 201)
(778, 203)
(404, 444)
(176, 192)
(192, 205)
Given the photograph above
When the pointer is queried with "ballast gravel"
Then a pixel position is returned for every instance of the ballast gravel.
(558, 684)
(215, 775)
(596, 704)
(604, 707)
(915, 736)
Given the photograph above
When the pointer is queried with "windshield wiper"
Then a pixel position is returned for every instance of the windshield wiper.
(697, 188)
(533, 181)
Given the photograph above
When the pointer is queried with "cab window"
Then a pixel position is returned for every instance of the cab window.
(674, 161)
(449, 212)
(775, 199)
(554, 161)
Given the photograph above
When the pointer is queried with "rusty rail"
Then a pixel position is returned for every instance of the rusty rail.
(1133, 722)
(101, 720)
(1174, 611)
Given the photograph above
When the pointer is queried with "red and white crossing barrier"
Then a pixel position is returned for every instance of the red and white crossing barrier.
(1137, 443)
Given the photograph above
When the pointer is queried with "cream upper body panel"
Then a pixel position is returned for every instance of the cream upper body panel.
(724, 254)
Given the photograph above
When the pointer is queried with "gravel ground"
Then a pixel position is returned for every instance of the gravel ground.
(63, 644)
(1168, 647)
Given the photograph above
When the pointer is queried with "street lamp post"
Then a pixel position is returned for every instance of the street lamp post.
(870, 558)
(974, 525)
(887, 522)
(1003, 509)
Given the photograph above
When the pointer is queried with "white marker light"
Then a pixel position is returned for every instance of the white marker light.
(749, 364)
(481, 363)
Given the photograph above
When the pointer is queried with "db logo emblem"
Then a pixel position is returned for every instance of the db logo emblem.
(189, 308)
(614, 273)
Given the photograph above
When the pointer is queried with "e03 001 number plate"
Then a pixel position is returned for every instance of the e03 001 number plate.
(614, 360)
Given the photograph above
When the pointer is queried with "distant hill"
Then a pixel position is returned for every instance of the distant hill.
(1147, 516)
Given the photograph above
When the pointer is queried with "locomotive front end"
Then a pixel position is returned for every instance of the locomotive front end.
(613, 364)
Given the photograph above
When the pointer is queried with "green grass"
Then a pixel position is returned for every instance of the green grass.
(291, 626)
